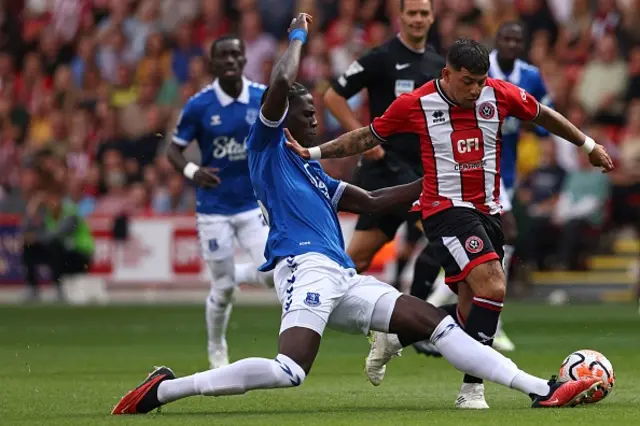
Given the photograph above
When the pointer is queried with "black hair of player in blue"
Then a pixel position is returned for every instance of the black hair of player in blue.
(301, 116)
(470, 55)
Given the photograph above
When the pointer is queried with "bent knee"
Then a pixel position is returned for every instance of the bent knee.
(488, 281)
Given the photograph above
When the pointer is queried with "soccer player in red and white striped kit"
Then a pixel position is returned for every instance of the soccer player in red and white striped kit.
(458, 119)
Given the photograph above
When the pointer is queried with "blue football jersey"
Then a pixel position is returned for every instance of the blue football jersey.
(298, 199)
(527, 77)
(220, 124)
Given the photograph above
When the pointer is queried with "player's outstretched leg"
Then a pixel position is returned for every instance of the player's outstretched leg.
(413, 320)
(297, 350)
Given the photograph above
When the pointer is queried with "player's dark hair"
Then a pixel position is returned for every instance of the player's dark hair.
(221, 39)
(296, 90)
(468, 54)
(511, 24)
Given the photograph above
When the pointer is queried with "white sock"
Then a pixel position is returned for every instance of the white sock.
(218, 311)
(441, 294)
(476, 359)
(235, 379)
(247, 273)
(506, 260)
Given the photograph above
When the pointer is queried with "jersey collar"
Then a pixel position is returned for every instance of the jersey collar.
(420, 51)
(497, 73)
(225, 99)
(443, 95)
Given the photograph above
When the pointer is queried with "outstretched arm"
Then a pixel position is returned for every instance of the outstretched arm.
(352, 143)
(284, 73)
(555, 123)
(357, 200)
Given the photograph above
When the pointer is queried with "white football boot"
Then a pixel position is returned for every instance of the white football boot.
(218, 356)
(384, 347)
(471, 397)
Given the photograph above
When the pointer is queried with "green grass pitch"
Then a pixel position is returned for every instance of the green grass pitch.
(69, 366)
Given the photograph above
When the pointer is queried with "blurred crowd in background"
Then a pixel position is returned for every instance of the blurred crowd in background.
(90, 91)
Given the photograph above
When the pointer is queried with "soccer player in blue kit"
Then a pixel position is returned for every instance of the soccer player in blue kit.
(219, 118)
(316, 281)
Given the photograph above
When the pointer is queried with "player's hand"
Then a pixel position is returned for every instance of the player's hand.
(301, 22)
(294, 146)
(600, 158)
(206, 177)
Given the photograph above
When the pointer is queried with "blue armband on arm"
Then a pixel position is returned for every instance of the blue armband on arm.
(298, 34)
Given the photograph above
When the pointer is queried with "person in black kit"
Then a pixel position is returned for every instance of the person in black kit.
(399, 66)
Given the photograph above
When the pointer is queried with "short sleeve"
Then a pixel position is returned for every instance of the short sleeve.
(395, 119)
(187, 126)
(362, 73)
(265, 132)
(334, 187)
(519, 102)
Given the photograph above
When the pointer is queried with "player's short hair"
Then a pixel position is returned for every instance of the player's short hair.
(296, 90)
(511, 24)
(402, 5)
(224, 38)
(469, 54)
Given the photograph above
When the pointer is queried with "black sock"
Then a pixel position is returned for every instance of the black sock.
(425, 273)
(482, 325)
(401, 264)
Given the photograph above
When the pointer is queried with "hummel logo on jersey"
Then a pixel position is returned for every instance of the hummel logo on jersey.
(402, 66)
(438, 117)
(215, 120)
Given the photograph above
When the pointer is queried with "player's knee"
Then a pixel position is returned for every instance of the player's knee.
(223, 272)
(221, 296)
(290, 373)
(487, 281)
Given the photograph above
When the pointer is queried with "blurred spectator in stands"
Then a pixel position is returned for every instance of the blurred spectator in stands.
(185, 49)
(176, 12)
(85, 203)
(140, 199)
(199, 75)
(633, 91)
(84, 59)
(602, 86)
(175, 198)
(539, 194)
(156, 57)
(625, 200)
(133, 116)
(574, 38)
(112, 53)
(144, 23)
(124, 90)
(260, 47)
(580, 208)
(56, 236)
(116, 200)
(212, 24)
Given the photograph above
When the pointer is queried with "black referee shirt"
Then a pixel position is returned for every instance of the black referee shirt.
(388, 71)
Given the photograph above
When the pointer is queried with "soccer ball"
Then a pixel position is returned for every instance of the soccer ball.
(588, 363)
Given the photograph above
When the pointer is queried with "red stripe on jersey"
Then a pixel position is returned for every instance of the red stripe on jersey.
(430, 201)
(501, 106)
(468, 148)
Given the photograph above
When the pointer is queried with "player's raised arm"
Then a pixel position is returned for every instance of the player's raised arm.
(357, 200)
(284, 73)
(394, 120)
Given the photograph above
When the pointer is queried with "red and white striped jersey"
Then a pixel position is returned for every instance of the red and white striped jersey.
(460, 147)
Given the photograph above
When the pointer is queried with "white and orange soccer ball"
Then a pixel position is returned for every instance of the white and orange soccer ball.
(588, 363)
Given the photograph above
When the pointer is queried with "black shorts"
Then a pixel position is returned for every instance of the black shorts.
(389, 171)
(463, 238)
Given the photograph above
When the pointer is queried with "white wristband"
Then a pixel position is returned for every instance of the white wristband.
(190, 170)
(315, 153)
(588, 145)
